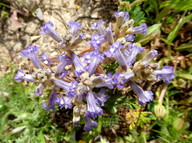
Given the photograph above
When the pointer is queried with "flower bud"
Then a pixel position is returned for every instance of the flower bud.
(178, 124)
(113, 110)
(159, 111)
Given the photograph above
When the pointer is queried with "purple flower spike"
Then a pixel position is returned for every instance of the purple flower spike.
(144, 96)
(20, 76)
(131, 53)
(30, 52)
(121, 17)
(149, 57)
(74, 27)
(64, 60)
(45, 59)
(93, 59)
(142, 29)
(166, 74)
(130, 38)
(39, 90)
(50, 104)
(48, 30)
(92, 110)
(79, 68)
(98, 26)
(89, 124)
(97, 41)
(115, 52)
(109, 35)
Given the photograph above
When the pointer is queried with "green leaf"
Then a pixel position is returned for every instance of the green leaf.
(185, 47)
(190, 69)
(5, 5)
(109, 121)
(4, 14)
(153, 30)
(163, 13)
(181, 5)
(184, 74)
(180, 24)
(41, 137)
(140, 16)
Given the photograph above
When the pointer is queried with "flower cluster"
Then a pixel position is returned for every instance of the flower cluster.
(73, 77)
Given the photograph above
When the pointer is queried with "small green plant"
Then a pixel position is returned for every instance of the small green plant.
(22, 118)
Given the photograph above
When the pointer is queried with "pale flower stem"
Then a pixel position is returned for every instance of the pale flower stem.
(163, 93)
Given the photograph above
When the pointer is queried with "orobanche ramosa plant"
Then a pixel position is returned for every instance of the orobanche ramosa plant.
(75, 76)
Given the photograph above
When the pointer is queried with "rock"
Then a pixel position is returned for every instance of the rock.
(17, 47)
(4, 60)
(32, 28)
(35, 38)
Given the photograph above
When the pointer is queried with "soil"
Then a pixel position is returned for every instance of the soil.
(22, 28)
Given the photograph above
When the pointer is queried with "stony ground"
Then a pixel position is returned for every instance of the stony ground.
(22, 28)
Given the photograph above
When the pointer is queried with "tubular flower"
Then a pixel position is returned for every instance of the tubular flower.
(66, 101)
(78, 39)
(98, 26)
(89, 124)
(166, 74)
(131, 53)
(107, 81)
(48, 30)
(121, 17)
(142, 29)
(101, 97)
(68, 87)
(20, 76)
(64, 60)
(109, 35)
(93, 59)
(45, 59)
(97, 40)
(130, 38)
(115, 52)
(93, 110)
(30, 52)
(50, 104)
(39, 90)
(144, 96)
(79, 67)
(74, 27)
(149, 57)
(120, 79)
